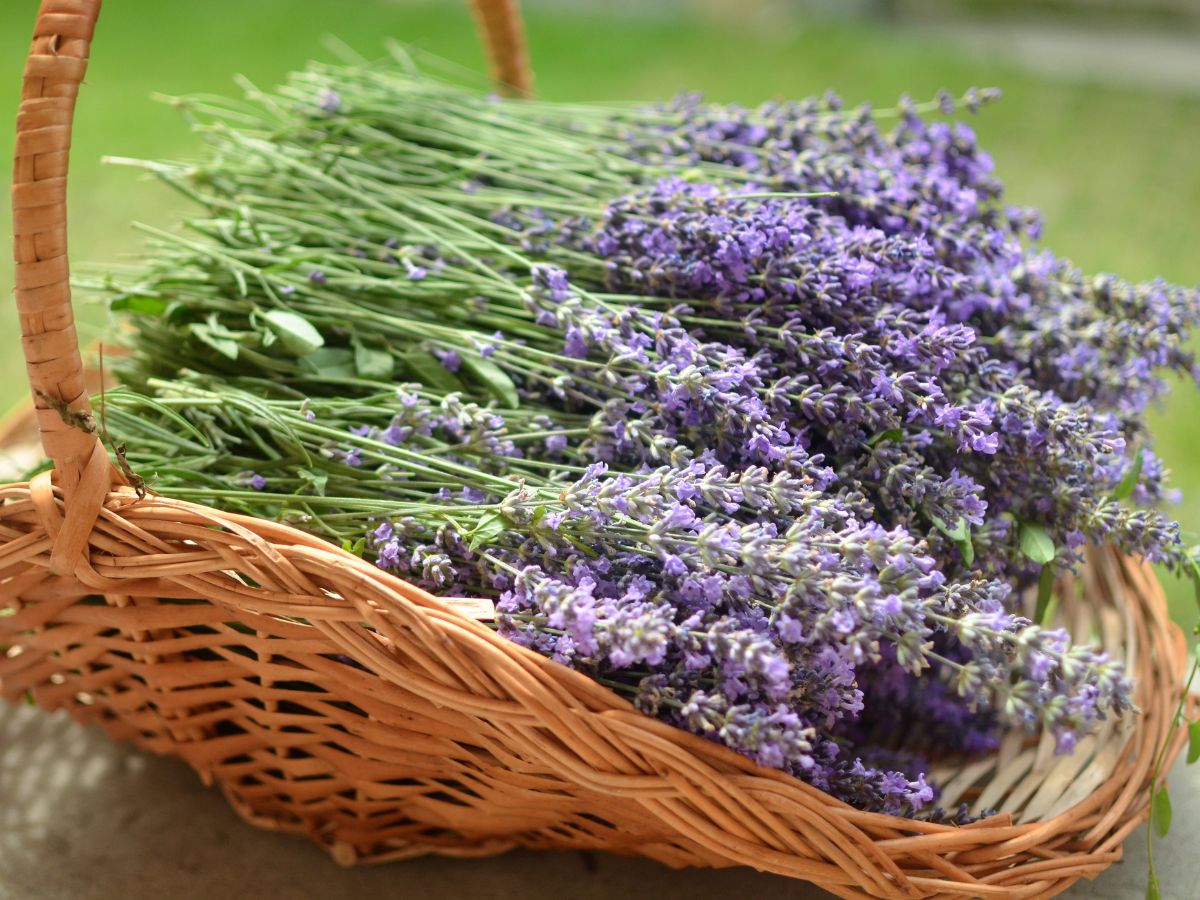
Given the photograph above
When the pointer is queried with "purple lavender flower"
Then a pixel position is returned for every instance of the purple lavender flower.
(330, 101)
(448, 358)
(807, 433)
(252, 480)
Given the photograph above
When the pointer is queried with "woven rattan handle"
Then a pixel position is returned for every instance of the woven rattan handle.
(57, 61)
(56, 66)
(504, 41)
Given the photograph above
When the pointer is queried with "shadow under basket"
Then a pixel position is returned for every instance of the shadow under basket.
(329, 699)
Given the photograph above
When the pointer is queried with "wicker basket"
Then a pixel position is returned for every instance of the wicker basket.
(329, 699)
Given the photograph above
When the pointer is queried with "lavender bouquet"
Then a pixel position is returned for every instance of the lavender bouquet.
(765, 418)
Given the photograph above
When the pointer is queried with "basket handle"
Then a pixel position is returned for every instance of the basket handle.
(55, 67)
(503, 36)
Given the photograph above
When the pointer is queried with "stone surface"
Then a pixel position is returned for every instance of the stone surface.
(85, 819)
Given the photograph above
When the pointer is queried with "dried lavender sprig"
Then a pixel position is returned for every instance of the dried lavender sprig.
(631, 514)
(392, 257)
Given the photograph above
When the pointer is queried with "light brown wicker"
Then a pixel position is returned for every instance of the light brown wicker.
(329, 699)
(504, 40)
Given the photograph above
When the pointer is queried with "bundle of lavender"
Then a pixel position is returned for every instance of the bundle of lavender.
(766, 418)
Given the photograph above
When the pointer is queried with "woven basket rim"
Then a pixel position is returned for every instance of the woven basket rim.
(581, 685)
(871, 838)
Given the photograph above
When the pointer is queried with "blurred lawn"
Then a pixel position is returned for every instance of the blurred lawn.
(1113, 169)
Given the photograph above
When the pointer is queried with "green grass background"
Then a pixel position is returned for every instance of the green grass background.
(1114, 169)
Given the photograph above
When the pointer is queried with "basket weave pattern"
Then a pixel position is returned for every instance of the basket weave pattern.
(330, 699)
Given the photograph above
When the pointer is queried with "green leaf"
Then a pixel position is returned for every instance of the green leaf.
(176, 312)
(425, 368)
(317, 480)
(892, 434)
(489, 527)
(1193, 753)
(357, 548)
(1153, 889)
(1045, 595)
(1129, 482)
(331, 362)
(1036, 543)
(1195, 575)
(295, 332)
(1162, 812)
(495, 379)
(139, 303)
(227, 347)
(376, 365)
(960, 532)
